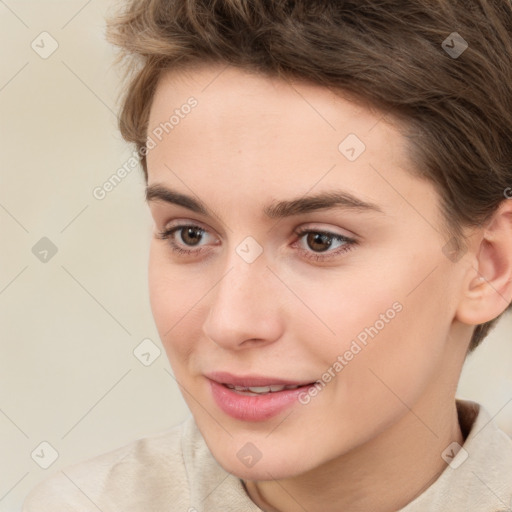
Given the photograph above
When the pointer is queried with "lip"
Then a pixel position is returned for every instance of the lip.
(253, 408)
(252, 380)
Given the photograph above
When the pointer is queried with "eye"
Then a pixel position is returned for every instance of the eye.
(314, 244)
(319, 241)
(189, 236)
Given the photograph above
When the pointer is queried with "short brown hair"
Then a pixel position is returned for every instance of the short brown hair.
(408, 59)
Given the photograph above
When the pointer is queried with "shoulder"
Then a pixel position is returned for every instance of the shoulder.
(148, 471)
(478, 475)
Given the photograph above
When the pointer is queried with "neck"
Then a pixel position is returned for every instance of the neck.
(383, 475)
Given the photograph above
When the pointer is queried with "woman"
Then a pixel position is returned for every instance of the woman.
(329, 185)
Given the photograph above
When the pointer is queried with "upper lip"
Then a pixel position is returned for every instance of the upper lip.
(253, 380)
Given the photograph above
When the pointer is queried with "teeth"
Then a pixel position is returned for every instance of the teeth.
(261, 390)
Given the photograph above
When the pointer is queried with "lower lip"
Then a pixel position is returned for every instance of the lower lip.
(254, 408)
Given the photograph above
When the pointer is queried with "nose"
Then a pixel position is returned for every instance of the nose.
(244, 308)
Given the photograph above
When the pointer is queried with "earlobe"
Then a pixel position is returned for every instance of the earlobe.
(488, 291)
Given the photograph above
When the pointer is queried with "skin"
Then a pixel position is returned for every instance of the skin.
(372, 438)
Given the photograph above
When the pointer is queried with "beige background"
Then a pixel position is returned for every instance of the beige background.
(70, 325)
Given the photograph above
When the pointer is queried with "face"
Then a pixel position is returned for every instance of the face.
(292, 246)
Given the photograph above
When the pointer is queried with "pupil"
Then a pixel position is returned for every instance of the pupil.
(319, 238)
(193, 234)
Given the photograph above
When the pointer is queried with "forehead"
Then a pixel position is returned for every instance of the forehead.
(224, 91)
(261, 134)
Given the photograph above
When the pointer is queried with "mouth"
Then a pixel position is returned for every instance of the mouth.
(254, 397)
(262, 390)
(256, 384)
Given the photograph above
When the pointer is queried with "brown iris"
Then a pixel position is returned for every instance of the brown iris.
(319, 241)
(191, 235)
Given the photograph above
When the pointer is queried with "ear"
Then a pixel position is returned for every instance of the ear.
(488, 287)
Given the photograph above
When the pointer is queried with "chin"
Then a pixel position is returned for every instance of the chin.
(276, 466)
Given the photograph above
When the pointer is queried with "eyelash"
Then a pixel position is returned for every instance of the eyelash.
(349, 243)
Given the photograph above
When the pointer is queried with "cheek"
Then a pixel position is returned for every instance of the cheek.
(389, 331)
(400, 362)
(173, 292)
(349, 307)
(159, 289)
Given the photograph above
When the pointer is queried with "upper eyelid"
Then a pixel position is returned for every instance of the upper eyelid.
(312, 229)
(184, 224)
(300, 231)
(302, 228)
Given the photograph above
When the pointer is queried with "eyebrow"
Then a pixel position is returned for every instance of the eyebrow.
(277, 209)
